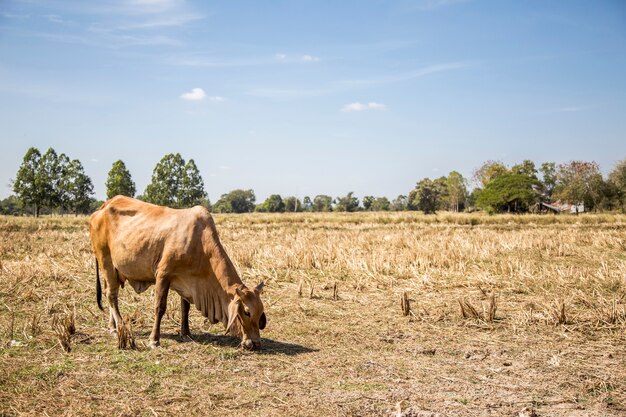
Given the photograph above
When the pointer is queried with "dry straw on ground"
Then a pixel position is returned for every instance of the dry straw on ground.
(544, 301)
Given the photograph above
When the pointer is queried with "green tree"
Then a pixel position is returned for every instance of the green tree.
(347, 203)
(509, 192)
(400, 203)
(457, 191)
(175, 183)
(292, 204)
(25, 185)
(95, 204)
(236, 201)
(371, 203)
(617, 180)
(77, 188)
(488, 171)
(579, 182)
(548, 178)
(273, 204)
(49, 177)
(191, 192)
(119, 181)
(62, 185)
(425, 196)
(527, 167)
(323, 203)
(443, 195)
(167, 178)
(471, 199)
(307, 204)
(381, 204)
(11, 206)
(368, 201)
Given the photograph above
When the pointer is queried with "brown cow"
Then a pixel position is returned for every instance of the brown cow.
(144, 244)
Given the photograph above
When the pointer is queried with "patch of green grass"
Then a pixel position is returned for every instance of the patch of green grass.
(144, 363)
(229, 354)
(47, 374)
(600, 388)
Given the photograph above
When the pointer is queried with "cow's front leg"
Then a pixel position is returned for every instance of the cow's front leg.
(184, 318)
(160, 303)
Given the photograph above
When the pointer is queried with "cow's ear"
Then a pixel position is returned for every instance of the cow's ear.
(259, 287)
(240, 291)
(233, 311)
(262, 322)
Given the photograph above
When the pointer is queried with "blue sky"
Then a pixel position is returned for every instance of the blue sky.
(312, 97)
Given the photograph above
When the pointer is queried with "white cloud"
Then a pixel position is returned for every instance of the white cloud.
(196, 94)
(282, 57)
(164, 22)
(216, 99)
(127, 23)
(424, 71)
(15, 16)
(358, 106)
(53, 18)
(375, 106)
(571, 109)
(111, 41)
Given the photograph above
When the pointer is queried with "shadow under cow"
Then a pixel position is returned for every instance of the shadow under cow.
(268, 346)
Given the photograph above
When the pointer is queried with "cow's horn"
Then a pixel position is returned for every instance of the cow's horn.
(259, 287)
(239, 291)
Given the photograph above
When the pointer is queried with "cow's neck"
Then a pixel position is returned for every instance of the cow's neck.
(225, 272)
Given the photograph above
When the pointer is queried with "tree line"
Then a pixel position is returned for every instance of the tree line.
(53, 183)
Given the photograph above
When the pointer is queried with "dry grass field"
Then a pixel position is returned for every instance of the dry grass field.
(509, 315)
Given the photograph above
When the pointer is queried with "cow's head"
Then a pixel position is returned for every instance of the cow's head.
(246, 316)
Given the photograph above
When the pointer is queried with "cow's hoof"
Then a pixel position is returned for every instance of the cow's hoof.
(153, 344)
(186, 337)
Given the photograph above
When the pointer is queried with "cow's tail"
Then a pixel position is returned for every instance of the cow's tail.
(98, 287)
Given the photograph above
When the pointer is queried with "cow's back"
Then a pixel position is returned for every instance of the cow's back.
(143, 239)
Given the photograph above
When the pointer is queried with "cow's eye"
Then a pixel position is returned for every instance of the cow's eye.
(247, 313)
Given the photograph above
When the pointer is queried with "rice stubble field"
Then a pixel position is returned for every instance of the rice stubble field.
(506, 315)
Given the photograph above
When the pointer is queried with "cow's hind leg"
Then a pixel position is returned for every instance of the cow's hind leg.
(160, 304)
(112, 291)
(112, 327)
(184, 318)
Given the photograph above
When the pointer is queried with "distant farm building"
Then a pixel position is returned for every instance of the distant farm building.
(558, 207)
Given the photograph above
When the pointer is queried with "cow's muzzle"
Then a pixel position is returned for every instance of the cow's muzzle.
(250, 344)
